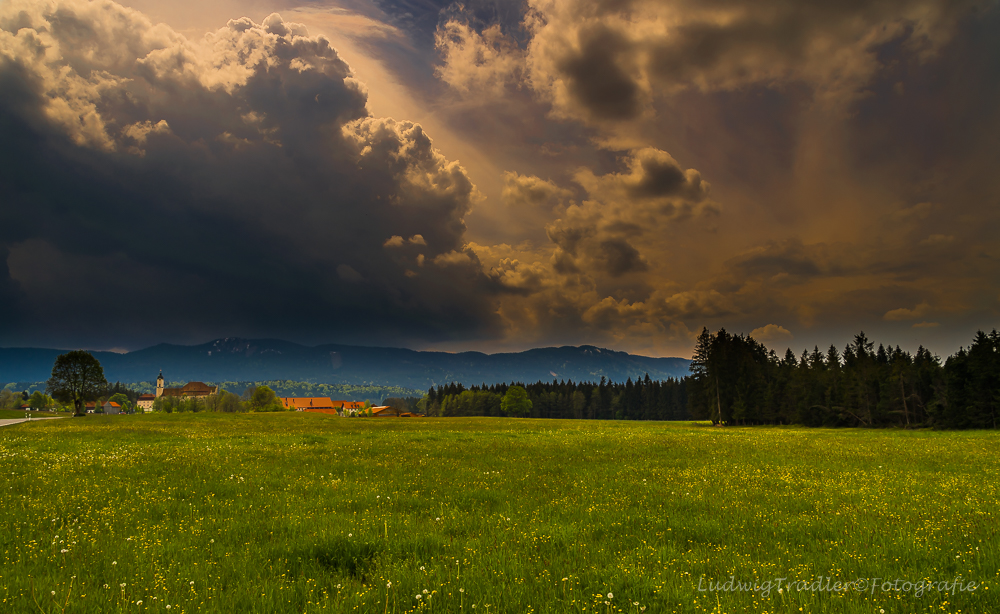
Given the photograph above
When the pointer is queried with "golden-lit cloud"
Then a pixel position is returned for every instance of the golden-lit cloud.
(605, 61)
(772, 334)
(615, 173)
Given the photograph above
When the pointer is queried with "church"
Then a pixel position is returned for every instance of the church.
(187, 391)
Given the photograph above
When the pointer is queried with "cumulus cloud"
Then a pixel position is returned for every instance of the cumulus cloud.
(772, 333)
(242, 172)
(531, 203)
(606, 61)
(209, 184)
(481, 63)
(591, 278)
(623, 210)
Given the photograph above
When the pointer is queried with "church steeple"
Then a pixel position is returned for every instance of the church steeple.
(159, 384)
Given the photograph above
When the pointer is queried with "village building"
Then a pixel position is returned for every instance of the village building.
(190, 390)
(314, 404)
(112, 408)
(145, 402)
(322, 405)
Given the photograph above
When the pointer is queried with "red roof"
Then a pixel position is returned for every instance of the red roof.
(307, 403)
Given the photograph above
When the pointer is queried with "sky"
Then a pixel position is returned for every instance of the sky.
(497, 175)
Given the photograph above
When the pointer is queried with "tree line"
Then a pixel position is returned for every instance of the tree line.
(643, 399)
(736, 380)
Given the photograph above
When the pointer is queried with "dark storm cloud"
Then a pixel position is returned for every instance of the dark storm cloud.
(644, 48)
(786, 258)
(621, 257)
(155, 188)
(596, 75)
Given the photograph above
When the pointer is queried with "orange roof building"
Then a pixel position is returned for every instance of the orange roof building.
(306, 403)
(320, 405)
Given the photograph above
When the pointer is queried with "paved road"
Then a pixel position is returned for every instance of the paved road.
(8, 422)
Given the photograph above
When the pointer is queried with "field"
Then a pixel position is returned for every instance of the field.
(303, 513)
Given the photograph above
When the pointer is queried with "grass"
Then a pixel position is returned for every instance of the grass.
(297, 512)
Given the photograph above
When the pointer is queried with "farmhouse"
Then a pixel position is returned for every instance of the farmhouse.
(308, 403)
(189, 390)
(112, 408)
(321, 405)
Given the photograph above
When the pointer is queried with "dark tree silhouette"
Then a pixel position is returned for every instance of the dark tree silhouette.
(77, 377)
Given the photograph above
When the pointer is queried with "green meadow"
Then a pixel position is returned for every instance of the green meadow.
(293, 512)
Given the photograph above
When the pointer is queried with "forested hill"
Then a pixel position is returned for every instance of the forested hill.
(265, 359)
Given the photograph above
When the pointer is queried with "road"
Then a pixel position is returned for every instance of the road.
(8, 422)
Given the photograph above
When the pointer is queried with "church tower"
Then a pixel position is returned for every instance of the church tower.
(159, 385)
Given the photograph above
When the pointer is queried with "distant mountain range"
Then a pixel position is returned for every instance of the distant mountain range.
(268, 359)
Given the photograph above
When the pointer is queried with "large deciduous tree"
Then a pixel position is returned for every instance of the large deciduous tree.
(264, 399)
(77, 377)
(516, 402)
